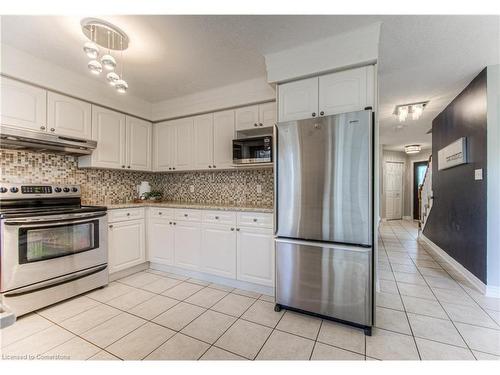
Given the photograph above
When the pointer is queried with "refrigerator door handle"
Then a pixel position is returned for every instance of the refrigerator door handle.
(328, 245)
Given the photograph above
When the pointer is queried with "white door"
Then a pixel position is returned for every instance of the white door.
(255, 255)
(161, 241)
(163, 146)
(218, 253)
(343, 92)
(138, 137)
(223, 139)
(23, 106)
(298, 100)
(184, 144)
(108, 129)
(203, 141)
(393, 187)
(247, 117)
(126, 241)
(187, 245)
(267, 114)
(68, 116)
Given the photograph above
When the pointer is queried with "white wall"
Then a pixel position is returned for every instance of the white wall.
(354, 48)
(20, 65)
(493, 179)
(237, 94)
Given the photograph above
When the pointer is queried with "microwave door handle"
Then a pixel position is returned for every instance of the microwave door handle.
(58, 220)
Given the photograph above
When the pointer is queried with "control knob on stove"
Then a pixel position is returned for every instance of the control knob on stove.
(74, 190)
(14, 190)
(57, 189)
(3, 189)
(66, 189)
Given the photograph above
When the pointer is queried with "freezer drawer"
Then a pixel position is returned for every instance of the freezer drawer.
(324, 278)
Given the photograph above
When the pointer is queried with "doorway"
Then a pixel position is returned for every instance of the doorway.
(419, 168)
(393, 186)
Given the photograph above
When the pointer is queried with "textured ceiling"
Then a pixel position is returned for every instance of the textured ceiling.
(420, 57)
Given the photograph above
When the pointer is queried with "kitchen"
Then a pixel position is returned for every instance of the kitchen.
(235, 219)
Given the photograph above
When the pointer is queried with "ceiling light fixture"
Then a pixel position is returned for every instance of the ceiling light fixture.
(110, 37)
(402, 111)
(413, 149)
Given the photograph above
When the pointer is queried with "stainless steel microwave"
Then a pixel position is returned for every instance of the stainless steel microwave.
(253, 150)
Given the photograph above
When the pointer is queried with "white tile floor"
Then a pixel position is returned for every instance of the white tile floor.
(424, 311)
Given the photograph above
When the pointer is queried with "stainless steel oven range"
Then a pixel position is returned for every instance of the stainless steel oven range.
(52, 247)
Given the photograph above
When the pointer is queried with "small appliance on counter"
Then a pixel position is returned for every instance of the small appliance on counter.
(143, 189)
(52, 248)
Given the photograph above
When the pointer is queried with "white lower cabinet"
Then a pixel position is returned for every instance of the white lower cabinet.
(218, 253)
(255, 254)
(187, 245)
(126, 243)
(161, 241)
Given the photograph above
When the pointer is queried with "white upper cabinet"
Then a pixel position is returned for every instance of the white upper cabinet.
(68, 116)
(184, 144)
(247, 117)
(298, 100)
(108, 129)
(138, 150)
(23, 106)
(345, 91)
(163, 146)
(267, 114)
(223, 135)
(203, 141)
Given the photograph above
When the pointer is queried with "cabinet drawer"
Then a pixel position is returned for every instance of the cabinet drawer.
(255, 219)
(187, 215)
(161, 213)
(124, 214)
(219, 217)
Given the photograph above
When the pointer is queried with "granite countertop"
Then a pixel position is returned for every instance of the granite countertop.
(195, 206)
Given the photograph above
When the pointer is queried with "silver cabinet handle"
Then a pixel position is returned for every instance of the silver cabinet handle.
(42, 127)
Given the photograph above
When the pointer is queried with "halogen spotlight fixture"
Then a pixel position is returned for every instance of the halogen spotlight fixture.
(112, 39)
(415, 110)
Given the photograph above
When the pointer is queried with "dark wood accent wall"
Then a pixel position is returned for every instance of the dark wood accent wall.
(457, 221)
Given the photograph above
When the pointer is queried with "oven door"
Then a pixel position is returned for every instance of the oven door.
(36, 249)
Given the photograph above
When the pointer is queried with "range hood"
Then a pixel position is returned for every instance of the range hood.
(17, 139)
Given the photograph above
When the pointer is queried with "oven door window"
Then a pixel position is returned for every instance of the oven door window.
(47, 242)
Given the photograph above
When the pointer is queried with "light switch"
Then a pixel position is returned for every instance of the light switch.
(478, 174)
(259, 189)
(191, 188)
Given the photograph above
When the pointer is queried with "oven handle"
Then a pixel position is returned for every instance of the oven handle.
(55, 281)
(61, 220)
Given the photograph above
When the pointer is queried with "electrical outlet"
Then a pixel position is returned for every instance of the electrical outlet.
(259, 189)
(478, 174)
(191, 188)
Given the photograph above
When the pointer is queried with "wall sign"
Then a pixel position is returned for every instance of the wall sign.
(452, 155)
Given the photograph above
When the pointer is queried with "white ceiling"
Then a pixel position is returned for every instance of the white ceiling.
(420, 58)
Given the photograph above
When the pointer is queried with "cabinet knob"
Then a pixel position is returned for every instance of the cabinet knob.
(321, 113)
(128, 166)
(237, 229)
(232, 229)
(128, 213)
(254, 220)
(159, 213)
(173, 168)
(175, 223)
(52, 129)
(314, 114)
(215, 166)
(123, 166)
(170, 222)
(209, 166)
(169, 169)
(111, 226)
(261, 124)
(255, 124)
(42, 127)
(216, 218)
(185, 215)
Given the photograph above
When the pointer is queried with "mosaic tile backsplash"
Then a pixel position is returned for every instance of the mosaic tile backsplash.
(107, 186)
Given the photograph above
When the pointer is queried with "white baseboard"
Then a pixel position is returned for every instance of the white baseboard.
(407, 218)
(489, 291)
(214, 279)
(129, 271)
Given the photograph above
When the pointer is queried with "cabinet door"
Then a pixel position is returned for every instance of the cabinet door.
(126, 241)
(68, 116)
(203, 141)
(108, 129)
(187, 245)
(184, 144)
(255, 254)
(223, 139)
(247, 117)
(218, 255)
(161, 241)
(298, 100)
(343, 91)
(138, 144)
(23, 106)
(267, 114)
(163, 146)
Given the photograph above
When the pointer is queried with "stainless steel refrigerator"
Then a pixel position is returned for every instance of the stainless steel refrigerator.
(324, 217)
